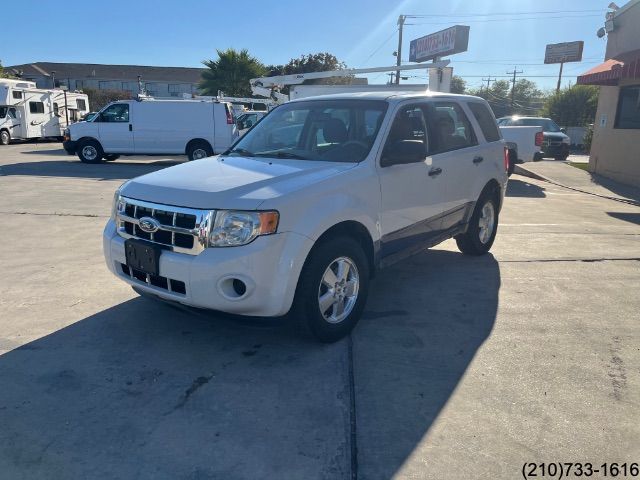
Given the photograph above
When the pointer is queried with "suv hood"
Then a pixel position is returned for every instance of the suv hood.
(229, 182)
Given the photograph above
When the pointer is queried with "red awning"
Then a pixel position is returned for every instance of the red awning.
(611, 71)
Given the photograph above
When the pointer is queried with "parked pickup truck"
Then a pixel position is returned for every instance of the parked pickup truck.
(555, 142)
(298, 214)
(524, 144)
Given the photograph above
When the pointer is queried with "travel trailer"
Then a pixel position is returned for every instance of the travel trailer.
(27, 112)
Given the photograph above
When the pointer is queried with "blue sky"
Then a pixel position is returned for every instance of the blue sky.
(363, 33)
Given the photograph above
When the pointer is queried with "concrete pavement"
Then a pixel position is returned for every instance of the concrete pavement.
(462, 367)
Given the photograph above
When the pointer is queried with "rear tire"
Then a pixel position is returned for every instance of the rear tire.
(5, 137)
(199, 149)
(110, 157)
(513, 158)
(562, 158)
(90, 151)
(332, 289)
(482, 229)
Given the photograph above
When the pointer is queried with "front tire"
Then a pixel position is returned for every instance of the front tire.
(5, 137)
(332, 289)
(482, 228)
(90, 151)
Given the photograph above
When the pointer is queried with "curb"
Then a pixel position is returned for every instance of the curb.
(520, 170)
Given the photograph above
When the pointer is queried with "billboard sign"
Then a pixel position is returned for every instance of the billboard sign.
(445, 42)
(564, 52)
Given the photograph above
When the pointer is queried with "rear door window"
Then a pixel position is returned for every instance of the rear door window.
(452, 128)
(486, 121)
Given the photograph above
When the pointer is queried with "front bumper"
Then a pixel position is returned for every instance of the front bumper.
(70, 146)
(269, 267)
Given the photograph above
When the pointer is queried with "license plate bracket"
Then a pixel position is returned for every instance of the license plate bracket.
(142, 256)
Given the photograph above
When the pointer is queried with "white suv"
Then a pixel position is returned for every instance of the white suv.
(298, 214)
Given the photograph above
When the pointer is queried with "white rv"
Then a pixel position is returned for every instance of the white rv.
(147, 126)
(28, 112)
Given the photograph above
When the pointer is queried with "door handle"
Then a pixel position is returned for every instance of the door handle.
(130, 128)
(477, 159)
(435, 172)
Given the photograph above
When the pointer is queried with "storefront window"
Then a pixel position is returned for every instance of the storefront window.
(628, 115)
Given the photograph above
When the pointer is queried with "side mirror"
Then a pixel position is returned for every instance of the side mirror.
(563, 130)
(402, 152)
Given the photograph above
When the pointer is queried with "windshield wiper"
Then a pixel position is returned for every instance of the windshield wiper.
(282, 155)
(240, 151)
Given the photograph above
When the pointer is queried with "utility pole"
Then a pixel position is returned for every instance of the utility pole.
(559, 77)
(401, 20)
(488, 80)
(53, 78)
(390, 78)
(513, 87)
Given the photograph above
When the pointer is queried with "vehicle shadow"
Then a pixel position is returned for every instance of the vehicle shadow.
(143, 390)
(519, 188)
(426, 320)
(73, 168)
(626, 216)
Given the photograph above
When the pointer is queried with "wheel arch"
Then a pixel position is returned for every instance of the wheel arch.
(356, 230)
(194, 141)
(493, 188)
(87, 138)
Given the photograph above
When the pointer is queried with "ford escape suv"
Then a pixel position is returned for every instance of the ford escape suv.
(300, 212)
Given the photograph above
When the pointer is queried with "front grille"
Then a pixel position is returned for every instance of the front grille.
(182, 230)
(169, 284)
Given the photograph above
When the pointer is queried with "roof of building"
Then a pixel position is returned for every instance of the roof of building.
(109, 72)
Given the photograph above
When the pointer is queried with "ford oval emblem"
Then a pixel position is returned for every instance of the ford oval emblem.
(148, 224)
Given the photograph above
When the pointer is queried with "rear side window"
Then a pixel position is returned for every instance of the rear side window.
(452, 128)
(36, 107)
(16, 94)
(485, 119)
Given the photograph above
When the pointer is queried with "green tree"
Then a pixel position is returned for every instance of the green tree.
(458, 85)
(100, 98)
(231, 73)
(527, 99)
(3, 74)
(572, 107)
(313, 62)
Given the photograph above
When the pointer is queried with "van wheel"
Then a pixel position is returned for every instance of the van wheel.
(110, 157)
(482, 228)
(5, 137)
(90, 151)
(332, 289)
(198, 150)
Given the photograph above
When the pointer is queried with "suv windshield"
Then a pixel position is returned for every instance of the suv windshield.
(325, 130)
(547, 124)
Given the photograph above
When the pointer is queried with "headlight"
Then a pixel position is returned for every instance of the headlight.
(232, 228)
(566, 140)
(118, 202)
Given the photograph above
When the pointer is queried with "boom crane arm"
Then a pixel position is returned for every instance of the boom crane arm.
(270, 86)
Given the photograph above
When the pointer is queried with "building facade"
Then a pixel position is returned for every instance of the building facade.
(615, 149)
(157, 81)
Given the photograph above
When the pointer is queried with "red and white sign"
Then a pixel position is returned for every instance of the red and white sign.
(445, 42)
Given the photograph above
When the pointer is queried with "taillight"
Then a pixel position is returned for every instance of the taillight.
(229, 115)
(539, 139)
(506, 159)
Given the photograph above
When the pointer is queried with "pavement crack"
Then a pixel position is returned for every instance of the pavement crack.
(195, 385)
(582, 260)
(56, 214)
(353, 432)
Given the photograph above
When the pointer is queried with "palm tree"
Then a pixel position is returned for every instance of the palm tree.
(230, 73)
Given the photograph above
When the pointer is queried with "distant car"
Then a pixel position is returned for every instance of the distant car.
(555, 143)
(248, 119)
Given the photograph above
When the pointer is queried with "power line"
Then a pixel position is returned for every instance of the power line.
(513, 19)
(381, 45)
(448, 15)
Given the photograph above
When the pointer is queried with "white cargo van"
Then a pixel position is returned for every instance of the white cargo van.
(27, 112)
(194, 128)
